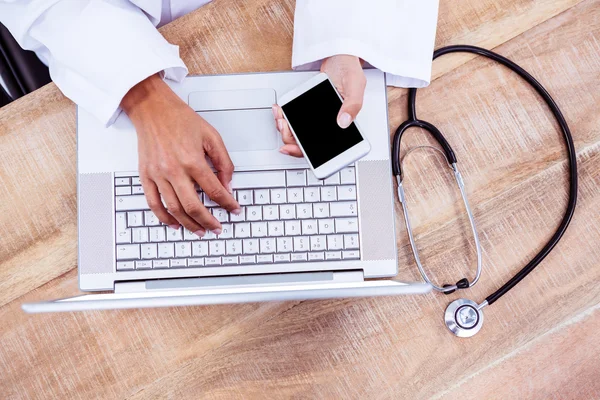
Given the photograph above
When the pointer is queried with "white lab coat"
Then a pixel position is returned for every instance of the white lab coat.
(98, 49)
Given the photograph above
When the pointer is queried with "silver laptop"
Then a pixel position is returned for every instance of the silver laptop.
(297, 237)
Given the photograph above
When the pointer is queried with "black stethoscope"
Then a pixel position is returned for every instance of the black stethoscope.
(464, 317)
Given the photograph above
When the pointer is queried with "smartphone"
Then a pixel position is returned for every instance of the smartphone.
(311, 111)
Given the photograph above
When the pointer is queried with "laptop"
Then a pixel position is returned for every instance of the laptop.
(297, 237)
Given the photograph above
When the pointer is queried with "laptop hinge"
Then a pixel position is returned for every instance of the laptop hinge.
(257, 280)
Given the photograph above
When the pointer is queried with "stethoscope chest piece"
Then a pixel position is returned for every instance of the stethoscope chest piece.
(463, 317)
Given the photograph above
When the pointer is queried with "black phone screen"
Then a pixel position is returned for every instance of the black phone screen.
(313, 117)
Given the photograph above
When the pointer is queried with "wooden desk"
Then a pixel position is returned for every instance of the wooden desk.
(540, 341)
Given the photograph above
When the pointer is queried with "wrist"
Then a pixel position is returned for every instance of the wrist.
(144, 96)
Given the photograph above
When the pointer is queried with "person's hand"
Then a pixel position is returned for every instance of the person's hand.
(172, 143)
(347, 75)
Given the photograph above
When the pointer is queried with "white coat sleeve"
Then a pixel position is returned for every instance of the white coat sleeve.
(96, 50)
(395, 36)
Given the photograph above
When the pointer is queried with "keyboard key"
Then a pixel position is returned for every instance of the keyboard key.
(195, 262)
(139, 235)
(123, 233)
(125, 265)
(122, 182)
(178, 263)
(136, 181)
(261, 196)
(150, 219)
(312, 194)
(333, 179)
(230, 260)
(251, 246)
(258, 179)
(207, 201)
(296, 178)
(278, 258)
(276, 228)
(137, 190)
(321, 210)
(226, 231)
(301, 243)
(318, 242)
(295, 195)
(233, 247)
(134, 219)
(278, 196)
(247, 260)
(166, 250)
(210, 261)
(244, 197)
(326, 226)
(350, 254)
(220, 214)
(346, 192)
(351, 241)
(187, 235)
(270, 213)
(157, 234)
(333, 255)
(149, 250)
(259, 229)
(200, 249)
(209, 235)
(174, 235)
(312, 179)
(267, 245)
(254, 213)
(292, 228)
(128, 252)
(328, 193)
(284, 245)
(343, 209)
(309, 227)
(304, 210)
(346, 225)
(240, 217)
(125, 203)
(242, 230)
(160, 264)
(143, 265)
(347, 176)
(216, 247)
(335, 242)
(183, 249)
(123, 190)
(299, 257)
(264, 258)
(316, 256)
(287, 211)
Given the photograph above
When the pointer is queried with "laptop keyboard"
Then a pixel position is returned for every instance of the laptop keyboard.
(288, 216)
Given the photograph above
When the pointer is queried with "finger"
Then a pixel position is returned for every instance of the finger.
(286, 133)
(217, 152)
(175, 208)
(193, 207)
(354, 92)
(212, 187)
(156, 205)
(291, 150)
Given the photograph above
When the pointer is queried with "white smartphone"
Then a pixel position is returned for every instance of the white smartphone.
(311, 111)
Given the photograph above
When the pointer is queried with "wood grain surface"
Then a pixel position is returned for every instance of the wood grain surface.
(539, 341)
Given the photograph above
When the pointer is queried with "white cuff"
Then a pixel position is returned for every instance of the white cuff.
(102, 50)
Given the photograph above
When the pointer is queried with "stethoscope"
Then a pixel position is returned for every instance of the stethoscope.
(464, 317)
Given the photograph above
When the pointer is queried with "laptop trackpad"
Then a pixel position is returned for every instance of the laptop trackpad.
(242, 117)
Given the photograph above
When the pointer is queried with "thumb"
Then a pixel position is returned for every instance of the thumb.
(354, 92)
